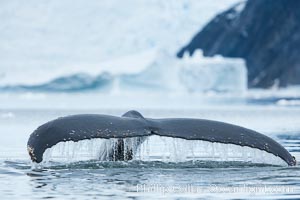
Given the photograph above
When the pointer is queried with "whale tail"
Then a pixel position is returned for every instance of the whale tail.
(133, 114)
(124, 135)
(123, 149)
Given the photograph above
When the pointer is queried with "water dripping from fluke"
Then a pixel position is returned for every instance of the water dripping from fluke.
(164, 150)
(133, 137)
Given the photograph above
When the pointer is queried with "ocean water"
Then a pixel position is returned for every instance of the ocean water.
(149, 178)
(70, 57)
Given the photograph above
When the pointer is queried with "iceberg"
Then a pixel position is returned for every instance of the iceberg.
(161, 72)
(219, 74)
(191, 74)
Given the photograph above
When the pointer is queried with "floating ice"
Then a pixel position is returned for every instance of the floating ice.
(284, 102)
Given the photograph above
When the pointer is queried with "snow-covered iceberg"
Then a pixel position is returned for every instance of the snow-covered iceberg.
(200, 74)
(191, 74)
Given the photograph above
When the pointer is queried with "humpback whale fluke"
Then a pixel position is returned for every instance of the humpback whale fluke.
(133, 124)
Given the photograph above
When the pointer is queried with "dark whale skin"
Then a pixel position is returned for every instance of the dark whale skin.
(133, 124)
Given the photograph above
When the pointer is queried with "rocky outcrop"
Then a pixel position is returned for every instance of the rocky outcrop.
(266, 33)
